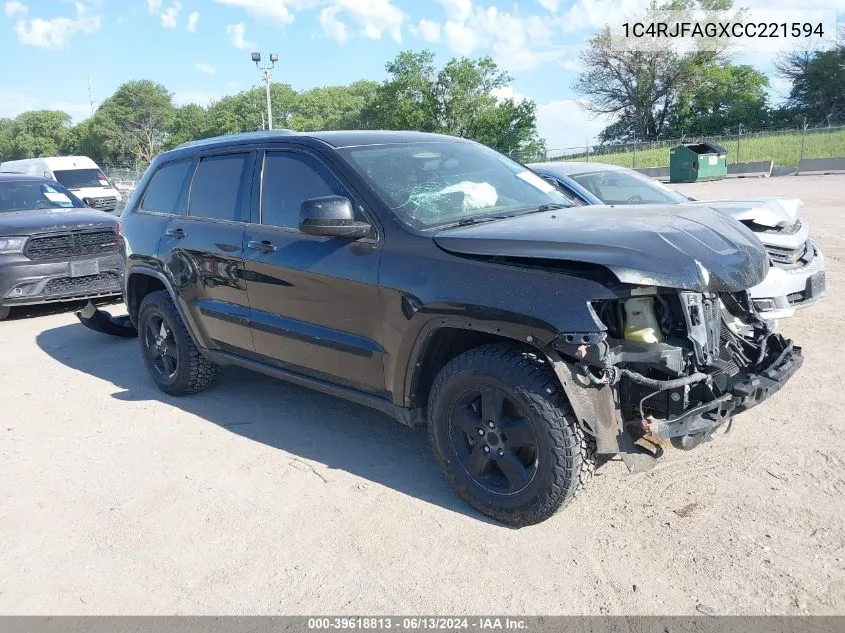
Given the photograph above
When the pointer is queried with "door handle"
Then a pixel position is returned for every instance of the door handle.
(264, 246)
(177, 233)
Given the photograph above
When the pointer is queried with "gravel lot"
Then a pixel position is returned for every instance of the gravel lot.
(260, 497)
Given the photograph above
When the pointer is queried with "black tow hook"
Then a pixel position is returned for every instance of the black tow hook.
(101, 321)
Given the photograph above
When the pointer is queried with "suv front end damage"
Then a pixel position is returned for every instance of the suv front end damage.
(671, 365)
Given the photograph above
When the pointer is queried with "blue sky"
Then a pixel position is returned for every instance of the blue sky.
(200, 49)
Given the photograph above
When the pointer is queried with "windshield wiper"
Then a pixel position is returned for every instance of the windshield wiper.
(552, 206)
(479, 219)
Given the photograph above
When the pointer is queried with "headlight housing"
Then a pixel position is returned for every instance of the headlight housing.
(12, 244)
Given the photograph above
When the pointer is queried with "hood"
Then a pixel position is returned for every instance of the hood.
(769, 212)
(696, 248)
(53, 220)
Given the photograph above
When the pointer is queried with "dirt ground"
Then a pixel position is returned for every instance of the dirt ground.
(261, 497)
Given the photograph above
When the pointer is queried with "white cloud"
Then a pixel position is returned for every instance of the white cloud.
(332, 27)
(153, 6)
(566, 125)
(279, 10)
(192, 22)
(170, 15)
(375, 17)
(206, 69)
(55, 33)
(550, 5)
(426, 30)
(517, 41)
(236, 33)
(14, 8)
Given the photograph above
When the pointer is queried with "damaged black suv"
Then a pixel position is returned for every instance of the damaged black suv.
(436, 280)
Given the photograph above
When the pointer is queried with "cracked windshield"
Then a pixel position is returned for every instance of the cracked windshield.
(435, 184)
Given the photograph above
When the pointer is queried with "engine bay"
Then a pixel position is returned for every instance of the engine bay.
(682, 363)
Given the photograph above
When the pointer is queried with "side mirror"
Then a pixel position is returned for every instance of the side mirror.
(331, 216)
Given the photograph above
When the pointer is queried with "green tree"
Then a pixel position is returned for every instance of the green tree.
(81, 140)
(36, 133)
(724, 97)
(133, 123)
(247, 111)
(818, 84)
(332, 107)
(190, 122)
(459, 99)
(641, 88)
(407, 99)
(5, 139)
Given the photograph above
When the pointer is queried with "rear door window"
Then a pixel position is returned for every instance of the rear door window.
(216, 192)
(168, 188)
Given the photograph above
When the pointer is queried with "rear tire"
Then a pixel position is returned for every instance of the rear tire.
(519, 461)
(169, 353)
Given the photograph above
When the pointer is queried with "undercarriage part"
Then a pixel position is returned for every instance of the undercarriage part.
(101, 321)
(595, 407)
(703, 322)
(663, 385)
(660, 356)
(688, 442)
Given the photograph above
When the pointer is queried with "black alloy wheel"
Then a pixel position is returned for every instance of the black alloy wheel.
(493, 440)
(161, 347)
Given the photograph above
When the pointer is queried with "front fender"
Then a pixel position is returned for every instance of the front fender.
(530, 305)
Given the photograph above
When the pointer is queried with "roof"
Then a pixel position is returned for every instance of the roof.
(568, 168)
(67, 162)
(338, 138)
(8, 176)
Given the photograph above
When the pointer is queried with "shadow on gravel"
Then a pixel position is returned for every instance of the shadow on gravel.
(46, 309)
(306, 423)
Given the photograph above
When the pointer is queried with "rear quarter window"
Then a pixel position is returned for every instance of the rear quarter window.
(168, 188)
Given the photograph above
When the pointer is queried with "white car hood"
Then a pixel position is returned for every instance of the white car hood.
(769, 212)
(96, 192)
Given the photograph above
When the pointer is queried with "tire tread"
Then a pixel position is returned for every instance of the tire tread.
(200, 371)
(573, 452)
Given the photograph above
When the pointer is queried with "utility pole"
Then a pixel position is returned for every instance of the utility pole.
(266, 72)
(90, 94)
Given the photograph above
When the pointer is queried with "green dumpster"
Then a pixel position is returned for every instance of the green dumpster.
(693, 162)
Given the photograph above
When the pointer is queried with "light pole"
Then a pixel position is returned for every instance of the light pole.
(266, 72)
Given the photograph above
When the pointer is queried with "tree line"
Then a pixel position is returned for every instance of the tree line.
(140, 119)
(662, 93)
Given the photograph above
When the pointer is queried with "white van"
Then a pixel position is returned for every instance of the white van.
(80, 174)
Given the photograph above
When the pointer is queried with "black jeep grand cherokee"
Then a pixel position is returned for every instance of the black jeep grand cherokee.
(438, 281)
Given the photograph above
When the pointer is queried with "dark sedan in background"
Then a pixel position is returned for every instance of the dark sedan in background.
(52, 247)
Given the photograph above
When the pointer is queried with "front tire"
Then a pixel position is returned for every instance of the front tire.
(4, 312)
(505, 436)
(169, 353)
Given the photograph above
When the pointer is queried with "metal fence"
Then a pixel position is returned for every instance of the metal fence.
(124, 176)
(784, 147)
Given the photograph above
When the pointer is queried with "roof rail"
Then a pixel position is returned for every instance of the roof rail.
(238, 136)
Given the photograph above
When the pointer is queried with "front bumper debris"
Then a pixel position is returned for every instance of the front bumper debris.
(748, 390)
(103, 322)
